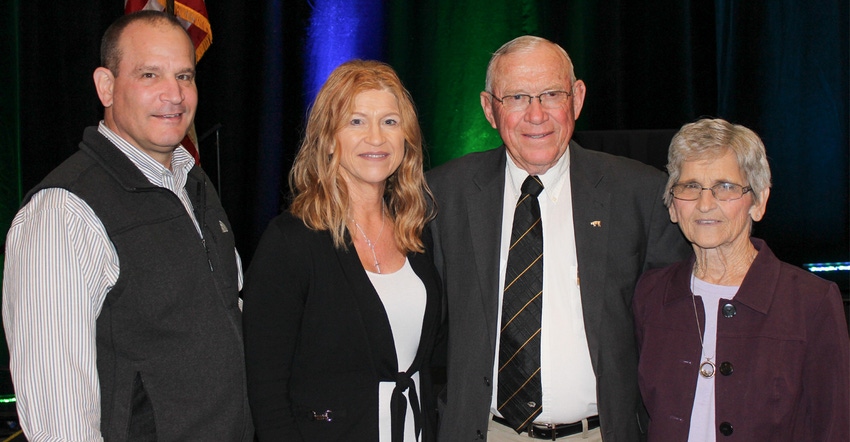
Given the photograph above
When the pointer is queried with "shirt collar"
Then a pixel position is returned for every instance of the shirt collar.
(756, 291)
(553, 180)
(181, 161)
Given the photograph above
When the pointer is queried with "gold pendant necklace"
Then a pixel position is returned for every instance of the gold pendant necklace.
(707, 367)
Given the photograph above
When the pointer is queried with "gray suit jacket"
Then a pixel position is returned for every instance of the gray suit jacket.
(634, 234)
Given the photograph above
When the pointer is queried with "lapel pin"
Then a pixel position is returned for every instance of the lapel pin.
(596, 223)
(223, 227)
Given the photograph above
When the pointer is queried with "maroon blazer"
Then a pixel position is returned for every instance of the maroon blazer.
(786, 350)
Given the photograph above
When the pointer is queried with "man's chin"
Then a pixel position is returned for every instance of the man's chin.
(173, 138)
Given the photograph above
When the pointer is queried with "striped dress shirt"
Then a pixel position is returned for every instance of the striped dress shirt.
(59, 266)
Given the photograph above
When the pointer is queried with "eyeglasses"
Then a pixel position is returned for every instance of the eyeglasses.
(721, 191)
(520, 102)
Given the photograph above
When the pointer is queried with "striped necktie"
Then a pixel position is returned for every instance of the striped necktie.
(520, 393)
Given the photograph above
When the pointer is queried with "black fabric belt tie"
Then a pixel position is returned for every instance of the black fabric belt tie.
(398, 407)
(553, 432)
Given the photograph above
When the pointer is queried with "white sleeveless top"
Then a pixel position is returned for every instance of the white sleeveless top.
(403, 295)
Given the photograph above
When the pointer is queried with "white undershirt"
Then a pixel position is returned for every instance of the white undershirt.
(569, 383)
(702, 416)
(403, 295)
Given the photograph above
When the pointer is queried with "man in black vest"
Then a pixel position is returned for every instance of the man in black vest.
(120, 291)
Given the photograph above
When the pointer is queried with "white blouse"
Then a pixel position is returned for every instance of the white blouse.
(703, 428)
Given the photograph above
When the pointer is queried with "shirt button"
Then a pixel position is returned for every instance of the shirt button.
(726, 368)
(729, 310)
(726, 429)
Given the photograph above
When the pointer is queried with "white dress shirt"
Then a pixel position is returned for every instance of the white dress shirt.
(567, 377)
(59, 266)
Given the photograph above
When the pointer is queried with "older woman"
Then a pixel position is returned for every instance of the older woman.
(734, 342)
(342, 304)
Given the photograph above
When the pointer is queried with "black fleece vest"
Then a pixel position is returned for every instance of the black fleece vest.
(169, 335)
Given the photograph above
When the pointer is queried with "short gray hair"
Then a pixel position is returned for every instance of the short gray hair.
(520, 44)
(712, 138)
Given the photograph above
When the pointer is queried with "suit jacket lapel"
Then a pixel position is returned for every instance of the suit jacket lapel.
(485, 201)
(591, 207)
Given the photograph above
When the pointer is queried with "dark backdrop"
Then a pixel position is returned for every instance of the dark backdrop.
(779, 67)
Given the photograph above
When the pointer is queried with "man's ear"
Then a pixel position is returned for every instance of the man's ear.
(579, 91)
(103, 83)
(487, 106)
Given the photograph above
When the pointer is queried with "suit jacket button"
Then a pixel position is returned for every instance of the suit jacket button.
(729, 310)
(726, 368)
(480, 435)
(726, 429)
(486, 381)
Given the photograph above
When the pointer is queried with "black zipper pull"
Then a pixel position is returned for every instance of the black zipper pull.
(204, 242)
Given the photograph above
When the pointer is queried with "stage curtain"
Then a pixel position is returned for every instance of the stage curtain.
(780, 67)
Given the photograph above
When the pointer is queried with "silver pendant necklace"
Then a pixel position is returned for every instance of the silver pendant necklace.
(707, 367)
(371, 243)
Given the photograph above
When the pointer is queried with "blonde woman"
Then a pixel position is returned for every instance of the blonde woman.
(342, 302)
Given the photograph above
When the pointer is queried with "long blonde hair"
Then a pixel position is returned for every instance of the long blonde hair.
(320, 193)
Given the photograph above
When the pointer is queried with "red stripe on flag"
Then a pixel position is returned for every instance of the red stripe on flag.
(134, 5)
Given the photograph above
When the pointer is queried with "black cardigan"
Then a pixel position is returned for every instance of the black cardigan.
(317, 338)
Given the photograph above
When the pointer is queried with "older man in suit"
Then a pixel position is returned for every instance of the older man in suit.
(547, 351)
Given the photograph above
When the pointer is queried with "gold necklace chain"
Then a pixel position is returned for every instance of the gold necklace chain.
(707, 367)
